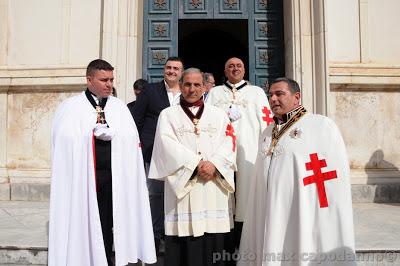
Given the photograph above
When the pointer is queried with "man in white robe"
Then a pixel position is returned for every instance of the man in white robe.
(194, 153)
(248, 109)
(98, 195)
(300, 208)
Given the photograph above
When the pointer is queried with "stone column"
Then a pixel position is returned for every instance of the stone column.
(121, 42)
(305, 50)
(4, 180)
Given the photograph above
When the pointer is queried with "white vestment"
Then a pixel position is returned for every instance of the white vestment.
(251, 101)
(291, 220)
(194, 207)
(75, 235)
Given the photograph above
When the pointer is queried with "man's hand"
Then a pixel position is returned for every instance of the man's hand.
(103, 132)
(206, 170)
(233, 113)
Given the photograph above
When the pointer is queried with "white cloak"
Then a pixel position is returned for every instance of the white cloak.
(193, 207)
(285, 223)
(75, 236)
(250, 101)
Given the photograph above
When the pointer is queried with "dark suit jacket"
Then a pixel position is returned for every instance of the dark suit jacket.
(149, 104)
(130, 106)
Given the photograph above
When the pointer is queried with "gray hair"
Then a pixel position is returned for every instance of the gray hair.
(292, 84)
(190, 71)
(206, 76)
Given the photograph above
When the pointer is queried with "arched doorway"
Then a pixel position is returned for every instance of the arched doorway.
(251, 30)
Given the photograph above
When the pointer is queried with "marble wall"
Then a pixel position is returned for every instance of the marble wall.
(3, 136)
(383, 25)
(364, 31)
(53, 32)
(343, 30)
(364, 73)
(28, 128)
(369, 121)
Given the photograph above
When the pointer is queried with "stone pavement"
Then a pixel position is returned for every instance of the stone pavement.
(24, 225)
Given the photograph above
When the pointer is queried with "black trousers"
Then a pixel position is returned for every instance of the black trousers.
(156, 197)
(209, 249)
(104, 201)
(104, 194)
(237, 231)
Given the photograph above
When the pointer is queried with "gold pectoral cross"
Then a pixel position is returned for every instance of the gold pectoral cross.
(196, 128)
(234, 91)
(100, 118)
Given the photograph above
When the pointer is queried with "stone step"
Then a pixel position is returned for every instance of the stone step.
(24, 226)
(363, 258)
(362, 193)
(377, 193)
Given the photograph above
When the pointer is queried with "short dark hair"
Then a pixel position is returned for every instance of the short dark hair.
(98, 64)
(139, 84)
(292, 84)
(175, 58)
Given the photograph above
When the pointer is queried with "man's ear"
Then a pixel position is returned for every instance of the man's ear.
(297, 95)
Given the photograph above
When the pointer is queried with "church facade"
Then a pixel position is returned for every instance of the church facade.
(344, 54)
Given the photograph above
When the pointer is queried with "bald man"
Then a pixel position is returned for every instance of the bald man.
(248, 109)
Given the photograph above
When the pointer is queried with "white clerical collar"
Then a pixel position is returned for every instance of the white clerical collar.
(96, 99)
(237, 84)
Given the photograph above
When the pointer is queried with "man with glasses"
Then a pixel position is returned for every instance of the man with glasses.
(209, 83)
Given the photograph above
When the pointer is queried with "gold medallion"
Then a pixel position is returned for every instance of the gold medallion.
(100, 118)
(272, 147)
(195, 123)
(234, 91)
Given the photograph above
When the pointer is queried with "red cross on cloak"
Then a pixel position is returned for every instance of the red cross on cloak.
(318, 178)
(267, 118)
(231, 133)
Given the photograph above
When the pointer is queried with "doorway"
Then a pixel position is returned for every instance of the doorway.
(208, 43)
(206, 33)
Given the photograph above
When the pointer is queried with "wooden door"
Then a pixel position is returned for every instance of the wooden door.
(265, 33)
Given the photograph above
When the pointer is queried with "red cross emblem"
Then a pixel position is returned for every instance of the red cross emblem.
(267, 118)
(231, 133)
(318, 178)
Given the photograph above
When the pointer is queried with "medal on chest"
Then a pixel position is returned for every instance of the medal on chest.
(272, 147)
(277, 134)
(234, 92)
(100, 115)
(195, 122)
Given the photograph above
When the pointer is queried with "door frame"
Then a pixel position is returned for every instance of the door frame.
(305, 33)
